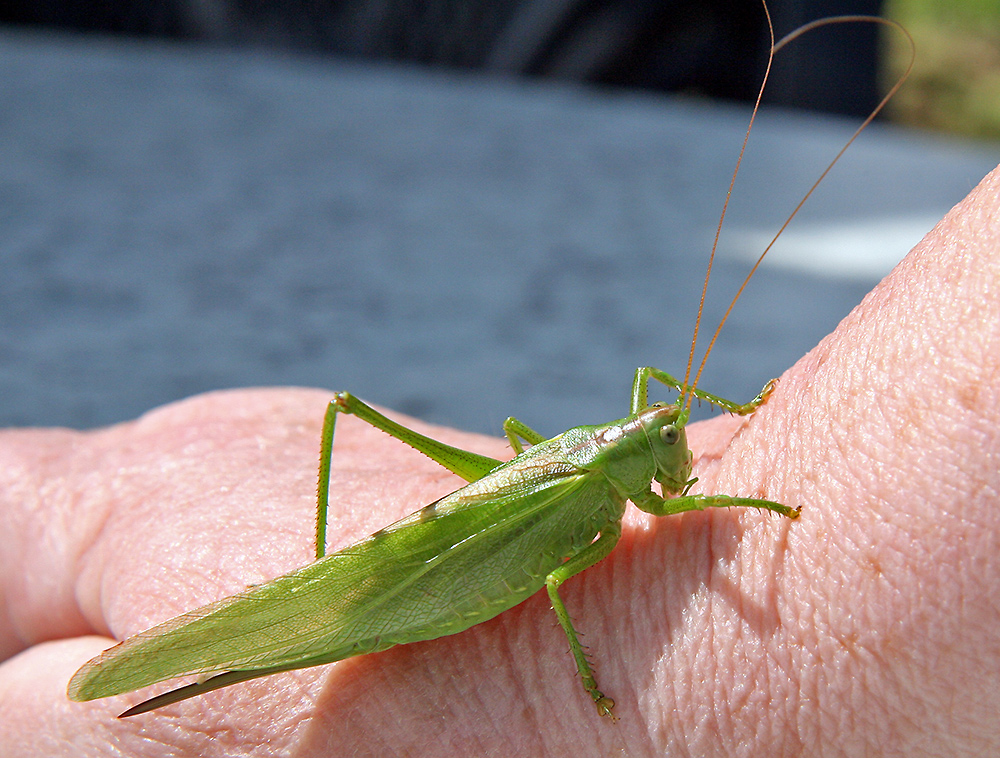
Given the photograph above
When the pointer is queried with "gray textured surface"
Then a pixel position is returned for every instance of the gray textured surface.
(174, 220)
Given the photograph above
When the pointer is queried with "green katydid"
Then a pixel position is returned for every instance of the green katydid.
(549, 513)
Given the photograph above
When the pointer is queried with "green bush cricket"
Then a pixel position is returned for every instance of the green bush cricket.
(551, 512)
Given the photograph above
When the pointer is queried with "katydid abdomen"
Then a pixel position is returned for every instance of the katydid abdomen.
(438, 571)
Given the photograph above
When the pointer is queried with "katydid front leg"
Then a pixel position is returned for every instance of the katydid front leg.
(640, 392)
(655, 505)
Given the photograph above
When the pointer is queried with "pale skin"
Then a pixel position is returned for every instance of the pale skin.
(869, 626)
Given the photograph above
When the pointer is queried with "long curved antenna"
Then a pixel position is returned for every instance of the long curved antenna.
(775, 48)
(722, 217)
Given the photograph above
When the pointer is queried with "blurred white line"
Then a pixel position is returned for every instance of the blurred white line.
(866, 250)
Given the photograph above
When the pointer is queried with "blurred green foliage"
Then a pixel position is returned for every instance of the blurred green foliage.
(955, 84)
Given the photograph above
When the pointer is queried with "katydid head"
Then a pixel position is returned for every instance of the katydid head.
(664, 427)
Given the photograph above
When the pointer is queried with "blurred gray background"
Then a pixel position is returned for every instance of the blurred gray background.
(462, 246)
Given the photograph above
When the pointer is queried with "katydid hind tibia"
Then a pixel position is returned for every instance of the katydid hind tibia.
(549, 513)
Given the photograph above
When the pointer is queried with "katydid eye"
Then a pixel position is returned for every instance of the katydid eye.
(670, 434)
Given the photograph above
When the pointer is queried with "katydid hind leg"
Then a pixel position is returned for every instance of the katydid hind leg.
(466, 464)
(583, 560)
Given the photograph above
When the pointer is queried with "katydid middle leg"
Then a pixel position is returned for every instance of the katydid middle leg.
(593, 553)
(516, 430)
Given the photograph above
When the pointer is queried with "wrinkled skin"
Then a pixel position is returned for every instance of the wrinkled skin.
(869, 627)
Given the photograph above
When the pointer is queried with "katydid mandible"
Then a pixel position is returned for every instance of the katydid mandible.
(551, 512)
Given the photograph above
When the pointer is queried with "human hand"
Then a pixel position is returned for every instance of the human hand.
(869, 626)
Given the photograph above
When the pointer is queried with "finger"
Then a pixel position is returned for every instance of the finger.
(39, 720)
(40, 528)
